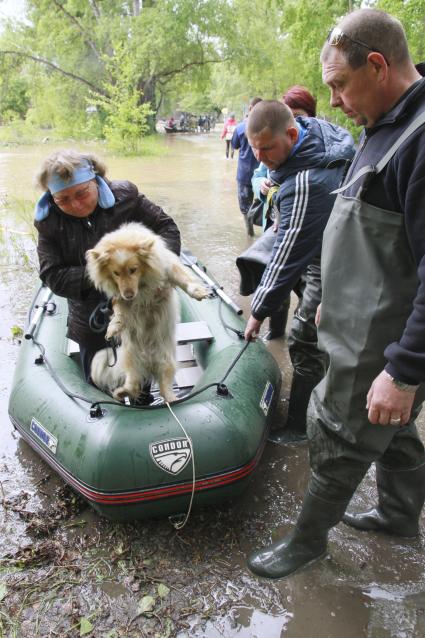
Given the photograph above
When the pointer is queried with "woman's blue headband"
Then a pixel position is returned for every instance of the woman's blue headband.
(83, 173)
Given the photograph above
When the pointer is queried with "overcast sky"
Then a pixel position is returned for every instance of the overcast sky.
(12, 8)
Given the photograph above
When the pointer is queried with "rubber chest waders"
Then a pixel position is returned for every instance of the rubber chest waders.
(369, 280)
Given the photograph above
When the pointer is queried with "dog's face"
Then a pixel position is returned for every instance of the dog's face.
(127, 270)
(120, 270)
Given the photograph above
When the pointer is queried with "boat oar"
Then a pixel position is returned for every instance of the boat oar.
(190, 260)
(41, 308)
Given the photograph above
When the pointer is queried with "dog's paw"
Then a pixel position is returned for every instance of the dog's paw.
(126, 391)
(197, 291)
(120, 394)
(169, 396)
(114, 329)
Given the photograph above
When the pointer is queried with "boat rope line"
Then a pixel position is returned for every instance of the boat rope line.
(178, 525)
(95, 406)
(95, 409)
(240, 333)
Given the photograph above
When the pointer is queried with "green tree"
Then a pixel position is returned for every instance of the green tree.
(14, 92)
(306, 38)
(412, 15)
(78, 47)
(126, 117)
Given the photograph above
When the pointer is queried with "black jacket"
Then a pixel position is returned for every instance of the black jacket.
(63, 241)
(401, 188)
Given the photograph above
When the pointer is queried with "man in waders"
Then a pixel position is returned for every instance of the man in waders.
(372, 323)
(306, 158)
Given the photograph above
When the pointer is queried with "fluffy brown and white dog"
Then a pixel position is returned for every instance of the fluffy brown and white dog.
(135, 269)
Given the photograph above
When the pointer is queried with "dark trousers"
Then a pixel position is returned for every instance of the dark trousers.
(245, 197)
(307, 359)
(338, 466)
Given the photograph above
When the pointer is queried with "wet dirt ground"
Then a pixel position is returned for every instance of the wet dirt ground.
(65, 571)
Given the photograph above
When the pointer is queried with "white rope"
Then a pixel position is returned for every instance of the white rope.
(179, 525)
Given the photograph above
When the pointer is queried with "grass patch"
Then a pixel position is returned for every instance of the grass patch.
(153, 145)
(20, 133)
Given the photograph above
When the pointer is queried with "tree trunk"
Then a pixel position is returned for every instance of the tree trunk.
(148, 94)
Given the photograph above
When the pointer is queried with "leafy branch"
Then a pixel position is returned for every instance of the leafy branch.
(55, 67)
(79, 26)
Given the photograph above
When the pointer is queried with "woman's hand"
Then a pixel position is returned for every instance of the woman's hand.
(265, 186)
(317, 317)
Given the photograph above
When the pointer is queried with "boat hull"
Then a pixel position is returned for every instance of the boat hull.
(138, 463)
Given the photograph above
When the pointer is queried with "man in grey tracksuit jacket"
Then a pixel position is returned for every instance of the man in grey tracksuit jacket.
(306, 158)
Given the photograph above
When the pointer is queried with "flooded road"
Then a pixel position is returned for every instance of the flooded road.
(88, 576)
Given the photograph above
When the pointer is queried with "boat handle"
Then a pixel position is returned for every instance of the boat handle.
(41, 308)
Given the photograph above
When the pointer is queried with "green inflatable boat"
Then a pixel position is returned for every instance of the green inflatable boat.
(134, 462)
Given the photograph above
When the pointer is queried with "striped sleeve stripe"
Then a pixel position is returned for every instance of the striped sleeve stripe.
(284, 250)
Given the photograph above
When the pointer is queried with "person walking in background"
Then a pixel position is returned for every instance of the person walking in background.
(227, 134)
(306, 157)
(372, 322)
(302, 103)
(246, 166)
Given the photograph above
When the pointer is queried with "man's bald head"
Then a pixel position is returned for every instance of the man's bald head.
(269, 114)
(367, 30)
(272, 132)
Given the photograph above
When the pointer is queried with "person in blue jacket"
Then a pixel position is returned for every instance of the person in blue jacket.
(306, 158)
(246, 166)
(372, 319)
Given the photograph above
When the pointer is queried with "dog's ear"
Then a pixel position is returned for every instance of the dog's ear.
(92, 255)
(145, 247)
(95, 256)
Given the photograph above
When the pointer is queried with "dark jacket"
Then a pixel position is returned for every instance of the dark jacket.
(401, 188)
(246, 160)
(63, 241)
(304, 202)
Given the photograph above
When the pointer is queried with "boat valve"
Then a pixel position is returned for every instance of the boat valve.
(96, 412)
(223, 390)
(39, 360)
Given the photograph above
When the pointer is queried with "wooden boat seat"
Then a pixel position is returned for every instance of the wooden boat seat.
(188, 373)
(193, 331)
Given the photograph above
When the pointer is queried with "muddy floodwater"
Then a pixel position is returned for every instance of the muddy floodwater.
(65, 571)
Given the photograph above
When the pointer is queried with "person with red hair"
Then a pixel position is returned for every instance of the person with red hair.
(300, 101)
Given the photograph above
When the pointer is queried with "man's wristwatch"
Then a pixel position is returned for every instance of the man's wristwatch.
(406, 387)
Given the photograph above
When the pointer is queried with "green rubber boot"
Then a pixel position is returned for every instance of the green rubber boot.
(401, 496)
(306, 543)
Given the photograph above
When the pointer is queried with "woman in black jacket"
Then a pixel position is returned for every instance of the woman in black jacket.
(78, 207)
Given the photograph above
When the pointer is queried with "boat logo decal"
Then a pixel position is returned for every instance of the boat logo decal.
(172, 455)
(267, 397)
(44, 435)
